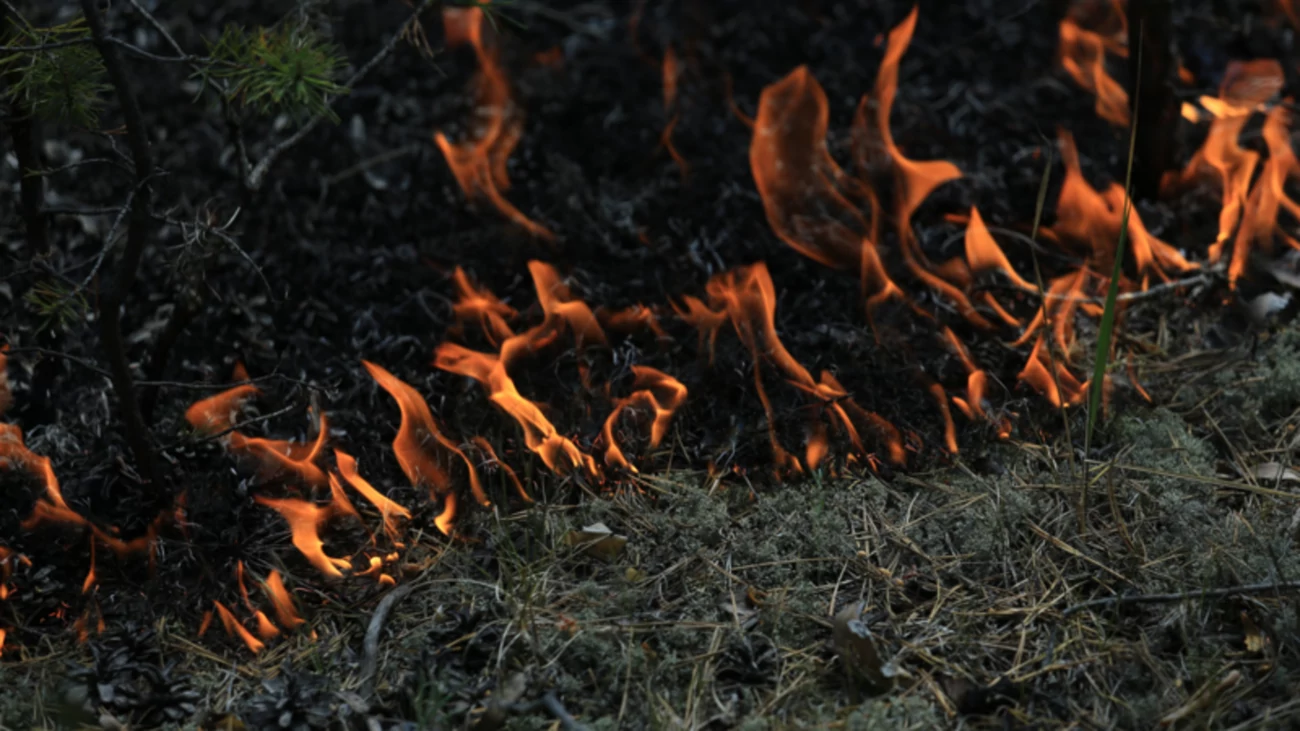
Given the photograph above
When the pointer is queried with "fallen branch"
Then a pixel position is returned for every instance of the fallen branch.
(370, 646)
(1120, 600)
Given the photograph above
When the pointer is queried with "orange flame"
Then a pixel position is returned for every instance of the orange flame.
(1083, 55)
(479, 163)
(509, 472)
(388, 509)
(1038, 374)
(670, 73)
(655, 390)
(305, 520)
(630, 320)
(235, 629)
(976, 379)
(266, 629)
(984, 254)
(802, 188)
(1259, 225)
(422, 450)
(281, 601)
(707, 321)
(560, 306)
(217, 413)
(475, 305)
(749, 298)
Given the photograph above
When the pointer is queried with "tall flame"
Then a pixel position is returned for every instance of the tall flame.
(305, 520)
(1083, 55)
(479, 163)
(281, 601)
(421, 449)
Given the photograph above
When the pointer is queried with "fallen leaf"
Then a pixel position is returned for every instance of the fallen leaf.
(856, 646)
(598, 541)
(1271, 471)
(1256, 640)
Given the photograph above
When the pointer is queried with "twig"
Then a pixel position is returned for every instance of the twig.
(254, 179)
(1182, 596)
(226, 238)
(557, 709)
(112, 296)
(370, 646)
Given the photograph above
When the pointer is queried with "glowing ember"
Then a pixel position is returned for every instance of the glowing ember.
(388, 509)
(305, 520)
(421, 449)
(479, 163)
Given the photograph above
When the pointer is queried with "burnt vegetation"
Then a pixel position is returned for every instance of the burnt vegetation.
(679, 364)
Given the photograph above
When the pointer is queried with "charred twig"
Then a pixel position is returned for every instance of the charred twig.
(370, 646)
(253, 181)
(112, 296)
(216, 436)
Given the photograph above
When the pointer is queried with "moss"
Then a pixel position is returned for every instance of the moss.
(895, 714)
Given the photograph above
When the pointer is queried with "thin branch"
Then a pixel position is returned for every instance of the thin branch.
(1120, 600)
(228, 430)
(255, 178)
(229, 241)
(370, 645)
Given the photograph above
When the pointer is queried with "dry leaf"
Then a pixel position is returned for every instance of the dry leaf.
(856, 647)
(1271, 471)
(598, 541)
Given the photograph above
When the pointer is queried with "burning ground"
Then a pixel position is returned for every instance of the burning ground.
(682, 365)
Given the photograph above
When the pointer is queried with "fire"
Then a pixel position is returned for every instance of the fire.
(984, 254)
(670, 74)
(281, 601)
(748, 297)
(1083, 55)
(976, 379)
(656, 391)
(1038, 373)
(631, 319)
(388, 509)
(481, 307)
(479, 163)
(215, 416)
(266, 629)
(235, 629)
(804, 192)
(421, 449)
(305, 520)
(562, 312)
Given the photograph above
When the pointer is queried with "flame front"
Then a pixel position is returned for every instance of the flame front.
(479, 163)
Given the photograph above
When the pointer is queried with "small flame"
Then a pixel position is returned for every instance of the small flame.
(479, 163)
(631, 319)
(305, 520)
(984, 254)
(281, 601)
(235, 629)
(479, 306)
(1083, 55)
(509, 472)
(388, 509)
(266, 629)
(421, 449)
(670, 74)
(1038, 374)
(217, 413)
(655, 390)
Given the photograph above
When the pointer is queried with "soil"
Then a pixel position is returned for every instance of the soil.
(720, 611)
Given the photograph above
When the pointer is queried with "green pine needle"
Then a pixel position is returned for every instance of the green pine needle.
(287, 69)
(61, 85)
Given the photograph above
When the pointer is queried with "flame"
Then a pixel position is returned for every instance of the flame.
(235, 629)
(984, 254)
(949, 427)
(1259, 225)
(479, 306)
(479, 163)
(422, 450)
(305, 520)
(631, 319)
(217, 413)
(266, 629)
(655, 390)
(1292, 13)
(1083, 55)
(1038, 374)
(388, 509)
(670, 74)
(976, 379)
(749, 298)
(562, 311)
(509, 472)
(709, 322)
(1092, 220)
(281, 601)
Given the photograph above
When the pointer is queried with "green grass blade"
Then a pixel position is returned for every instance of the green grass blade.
(1106, 330)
